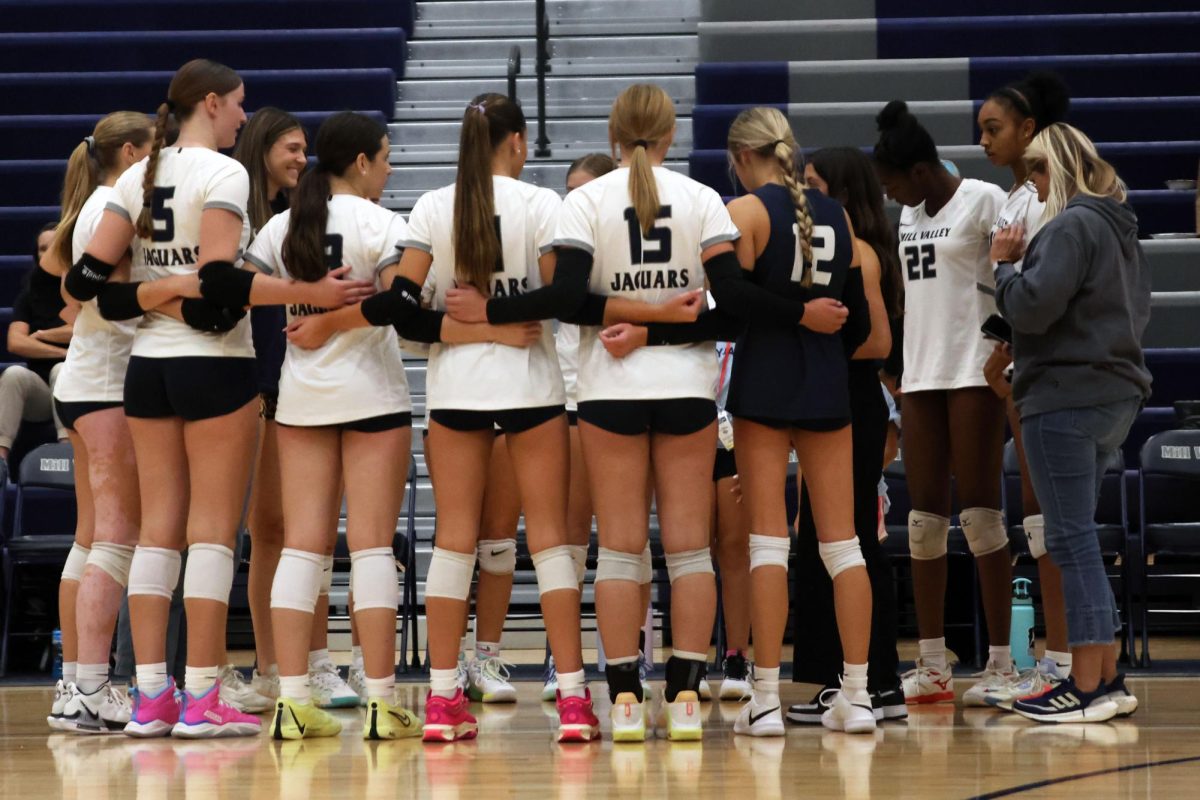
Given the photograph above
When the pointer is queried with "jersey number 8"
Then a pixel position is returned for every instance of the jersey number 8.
(822, 251)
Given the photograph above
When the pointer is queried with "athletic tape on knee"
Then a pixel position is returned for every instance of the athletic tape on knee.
(769, 551)
(326, 575)
(647, 573)
(1035, 532)
(555, 570)
(689, 562)
(374, 579)
(113, 560)
(840, 556)
(297, 581)
(76, 561)
(579, 559)
(617, 565)
(449, 575)
(927, 535)
(154, 571)
(497, 556)
(984, 529)
(209, 573)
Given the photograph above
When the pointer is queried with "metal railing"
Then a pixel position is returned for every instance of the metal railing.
(542, 66)
(514, 69)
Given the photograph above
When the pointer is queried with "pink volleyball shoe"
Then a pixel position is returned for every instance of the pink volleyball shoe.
(153, 716)
(207, 717)
(577, 721)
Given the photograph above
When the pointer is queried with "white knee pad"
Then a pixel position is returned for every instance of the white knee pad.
(76, 561)
(555, 570)
(113, 560)
(769, 551)
(209, 574)
(297, 581)
(579, 559)
(647, 574)
(841, 556)
(984, 529)
(927, 535)
(154, 571)
(689, 562)
(497, 556)
(374, 579)
(326, 574)
(1035, 532)
(617, 565)
(449, 575)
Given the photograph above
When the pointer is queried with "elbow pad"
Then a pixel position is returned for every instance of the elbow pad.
(561, 299)
(226, 285)
(87, 277)
(204, 315)
(395, 306)
(425, 326)
(119, 301)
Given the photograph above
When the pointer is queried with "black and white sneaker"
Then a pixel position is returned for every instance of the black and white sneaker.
(736, 684)
(105, 710)
(889, 704)
(1066, 703)
(810, 713)
(1125, 700)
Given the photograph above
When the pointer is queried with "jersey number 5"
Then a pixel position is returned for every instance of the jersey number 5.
(164, 218)
(923, 257)
(638, 255)
(822, 250)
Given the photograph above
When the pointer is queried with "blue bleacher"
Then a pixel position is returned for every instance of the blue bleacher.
(19, 226)
(885, 9)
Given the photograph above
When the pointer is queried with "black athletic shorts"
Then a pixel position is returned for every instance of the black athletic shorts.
(267, 404)
(677, 416)
(70, 411)
(191, 387)
(509, 420)
(384, 422)
(725, 466)
(811, 425)
(572, 418)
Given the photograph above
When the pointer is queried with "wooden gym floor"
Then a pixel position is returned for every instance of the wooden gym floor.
(943, 751)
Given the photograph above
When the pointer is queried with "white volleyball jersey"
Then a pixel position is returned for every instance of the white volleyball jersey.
(489, 376)
(949, 288)
(598, 217)
(1021, 205)
(188, 181)
(566, 343)
(98, 355)
(356, 374)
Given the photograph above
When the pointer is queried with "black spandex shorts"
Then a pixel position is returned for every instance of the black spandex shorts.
(267, 403)
(191, 387)
(510, 420)
(70, 411)
(678, 416)
(725, 466)
(572, 418)
(810, 425)
(384, 422)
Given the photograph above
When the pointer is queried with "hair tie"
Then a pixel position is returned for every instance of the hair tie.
(90, 141)
(641, 143)
(170, 105)
(481, 107)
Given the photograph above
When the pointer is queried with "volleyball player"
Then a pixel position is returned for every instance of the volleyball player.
(953, 424)
(188, 388)
(87, 397)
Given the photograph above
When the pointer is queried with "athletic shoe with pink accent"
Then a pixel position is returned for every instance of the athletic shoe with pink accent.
(153, 715)
(207, 717)
(577, 722)
(447, 719)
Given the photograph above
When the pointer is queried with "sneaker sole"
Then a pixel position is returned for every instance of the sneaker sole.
(893, 713)
(857, 726)
(449, 733)
(210, 730)
(1097, 715)
(342, 702)
(688, 734)
(105, 729)
(929, 699)
(578, 733)
(629, 734)
(1126, 706)
(250, 708)
(734, 694)
(149, 730)
(805, 719)
(761, 730)
(550, 696)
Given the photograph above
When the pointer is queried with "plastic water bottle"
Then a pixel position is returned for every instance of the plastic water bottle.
(1021, 636)
(56, 646)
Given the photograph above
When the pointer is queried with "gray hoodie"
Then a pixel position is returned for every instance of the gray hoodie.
(1078, 310)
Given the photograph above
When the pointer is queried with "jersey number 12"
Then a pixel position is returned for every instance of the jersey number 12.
(823, 239)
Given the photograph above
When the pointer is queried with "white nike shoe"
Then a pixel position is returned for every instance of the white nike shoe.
(851, 713)
(105, 710)
(762, 716)
(239, 694)
(54, 719)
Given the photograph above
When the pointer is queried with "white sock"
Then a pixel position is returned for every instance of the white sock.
(854, 677)
(90, 677)
(198, 680)
(443, 682)
(70, 671)
(356, 659)
(766, 681)
(382, 688)
(1057, 661)
(485, 650)
(318, 658)
(933, 653)
(1001, 657)
(295, 687)
(572, 684)
(151, 678)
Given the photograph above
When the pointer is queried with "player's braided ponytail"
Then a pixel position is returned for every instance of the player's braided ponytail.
(145, 221)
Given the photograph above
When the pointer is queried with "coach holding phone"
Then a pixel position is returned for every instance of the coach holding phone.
(1078, 309)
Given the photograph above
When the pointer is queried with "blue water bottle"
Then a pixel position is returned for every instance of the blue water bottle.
(1021, 635)
(56, 646)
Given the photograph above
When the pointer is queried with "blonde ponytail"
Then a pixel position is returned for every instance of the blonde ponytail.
(642, 116)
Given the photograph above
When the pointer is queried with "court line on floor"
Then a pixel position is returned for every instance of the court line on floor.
(1028, 787)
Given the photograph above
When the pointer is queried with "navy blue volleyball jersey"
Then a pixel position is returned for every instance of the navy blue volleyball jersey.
(791, 374)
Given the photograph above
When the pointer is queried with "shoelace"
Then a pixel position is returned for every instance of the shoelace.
(496, 668)
(831, 693)
(327, 675)
(232, 677)
(119, 698)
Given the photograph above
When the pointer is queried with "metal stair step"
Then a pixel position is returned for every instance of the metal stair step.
(574, 96)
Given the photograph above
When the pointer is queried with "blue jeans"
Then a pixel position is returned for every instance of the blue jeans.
(1067, 451)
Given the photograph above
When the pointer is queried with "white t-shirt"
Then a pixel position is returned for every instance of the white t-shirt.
(188, 181)
(566, 343)
(98, 355)
(598, 217)
(489, 376)
(949, 288)
(357, 374)
(1021, 205)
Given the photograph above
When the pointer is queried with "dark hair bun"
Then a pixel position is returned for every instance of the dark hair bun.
(894, 115)
(1048, 96)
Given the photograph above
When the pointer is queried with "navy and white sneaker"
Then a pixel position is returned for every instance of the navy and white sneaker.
(1066, 703)
(889, 704)
(810, 713)
(1116, 691)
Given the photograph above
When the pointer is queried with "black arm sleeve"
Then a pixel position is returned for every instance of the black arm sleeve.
(87, 276)
(395, 306)
(205, 315)
(738, 296)
(423, 326)
(564, 298)
(711, 326)
(858, 321)
(226, 285)
(119, 301)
